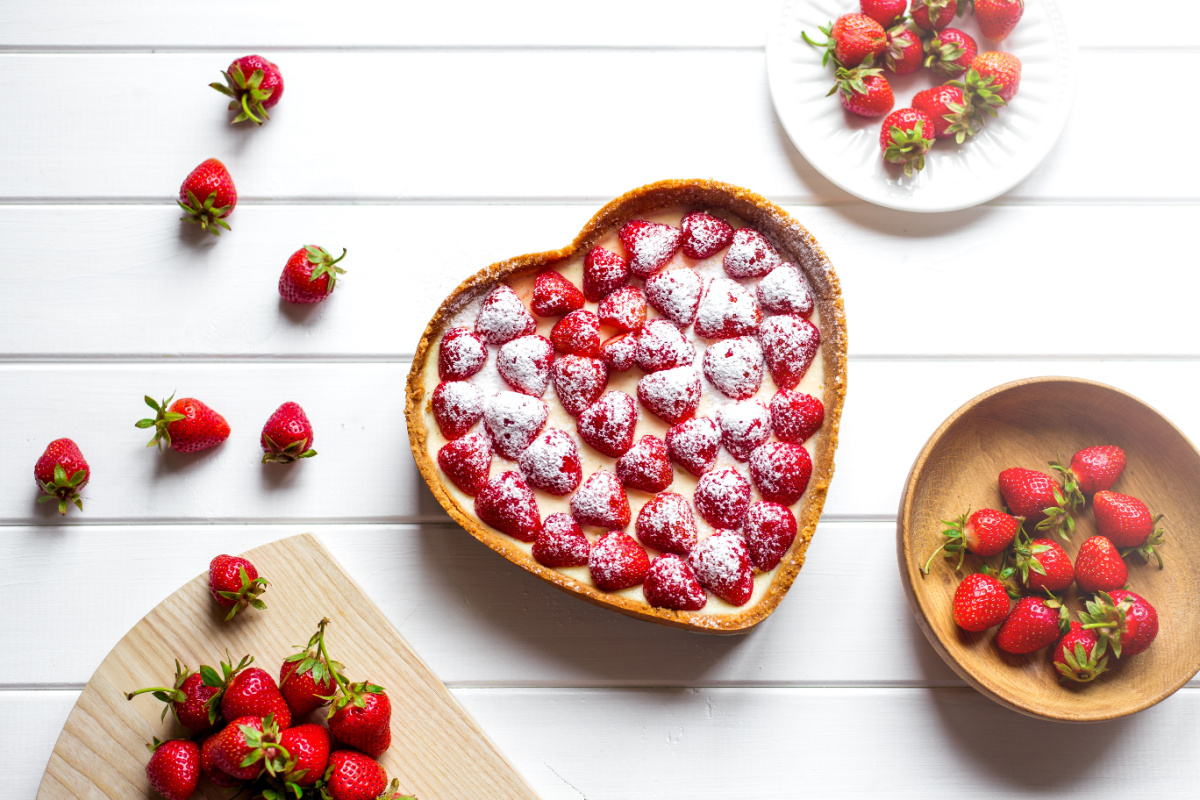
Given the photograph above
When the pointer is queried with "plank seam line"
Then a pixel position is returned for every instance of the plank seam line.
(197, 49)
(55, 361)
(837, 201)
(343, 522)
(652, 687)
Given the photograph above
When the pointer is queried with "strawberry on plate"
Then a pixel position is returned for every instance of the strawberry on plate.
(750, 255)
(1125, 620)
(603, 273)
(61, 473)
(601, 502)
(578, 334)
(235, 584)
(1044, 565)
(789, 346)
(997, 18)
(744, 426)
(524, 363)
(551, 463)
(722, 497)
(996, 75)
(513, 420)
(666, 524)
(503, 317)
(661, 345)
(885, 12)
(675, 293)
(360, 717)
(187, 698)
(796, 416)
(672, 395)
(704, 235)
(561, 543)
(578, 382)
(906, 136)
(1091, 470)
(649, 245)
(722, 566)
(735, 366)
(852, 39)
(1038, 498)
(727, 310)
(174, 768)
(624, 309)
(769, 530)
(785, 291)
(306, 678)
(933, 15)
(905, 53)
(554, 295)
(457, 407)
(864, 91)
(950, 51)
(646, 466)
(781, 471)
(1128, 524)
(607, 425)
(252, 692)
(461, 353)
(467, 461)
(693, 444)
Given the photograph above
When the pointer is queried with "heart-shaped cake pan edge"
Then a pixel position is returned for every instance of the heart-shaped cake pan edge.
(795, 244)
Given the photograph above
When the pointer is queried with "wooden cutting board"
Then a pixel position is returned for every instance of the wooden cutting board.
(437, 752)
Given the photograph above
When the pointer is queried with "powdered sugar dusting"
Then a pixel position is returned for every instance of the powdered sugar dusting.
(750, 255)
(457, 406)
(667, 525)
(601, 502)
(551, 463)
(502, 316)
(513, 420)
(671, 583)
(722, 497)
(649, 245)
(675, 293)
(786, 291)
(672, 395)
(693, 444)
(722, 566)
(744, 426)
(735, 366)
(461, 354)
(727, 310)
(704, 235)
(524, 363)
(660, 345)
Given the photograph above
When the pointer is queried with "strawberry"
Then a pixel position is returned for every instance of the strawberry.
(561, 543)
(188, 699)
(704, 235)
(789, 346)
(1080, 655)
(649, 245)
(785, 291)
(513, 420)
(457, 407)
(255, 84)
(244, 745)
(287, 436)
(624, 309)
(722, 566)
(780, 471)
(863, 91)
(461, 353)
(1033, 624)
(671, 583)
(996, 75)
(1127, 523)
(954, 116)
(933, 15)
(308, 751)
(601, 502)
(905, 53)
(666, 524)
(675, 293)
(509, 505)
(796, 416)
(1092, 469)
(554, 295)
(467, 462)
(252, 692)
(619, 351)
(186, 425)
(208, 768)
(885, 12)
(608, 424)
(208, 196)
(727, 310)
(503, 317)
(985, 533)
(693, 444)
(174, 768)
(744, 426)
(1099, 566)
(354, 776)
(1044, 565)
(750, 255)
(1126, 621)
(997, 18)
(524, 363)
(578, 381)
(672, 395)
(603, 273)
(61, 473)
(578, 334)
(234, 583)
(551, 463)
(950, 51)
(769, 531)
(980, 602)
(852, 39)
(617, 562)
(660, 345)
(735, 366)
(645, 466)
(1035, 496)
(306, 678)
(905, 138)
(722, 497)
(310, 275)
(361, 716)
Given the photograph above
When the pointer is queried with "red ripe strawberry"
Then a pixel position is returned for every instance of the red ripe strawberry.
(209, 770)
(785, 291)
(607, 424)
(617, 562)
(524, 363)
(561, 543)
(660, 345)
(174, 768)
(467, 462)
(649, 245)
(624, 309)
(188, 699)
(578, 381)
(1099, 566)
(996, 75)
(306, 678)
(457, 406)
(789, 346)
(308, 748)
(769, 530)
(933, 15)
(722, 566)
(864, 91)
(780, 471)
(727, 310)
(750, 255)
(885, 12)
(287, 436)
(704, 235)
(905, 53)
(361, 718)
(1035, 496)
(252, 692)
(1092, 469)
(672, 395)
(208, 196)
(1044, 566)
(234, 583)
(1033, 624)
(985, 533)
(1080, 655)
(853, 39)
(722, 498)
(954, 116)
(578, 333)
(744, 426)
(1126, 521)
(980, 602)
(513, 420)
(1125, 620)
(796, 416)
(509, 505)
(997, 18)
(61, 473)
(603, 273)
(186, 425)
(554, 295)
(255, 84)
(354, 776)
(601, 502)
(950, 52)
(244, 745)
(551, 463)
(619, 351)
(461, 353)
(675, 293)
(735, 366)
(666, 524)
(671, 583)
(310, 275)
(645, 466)
(503, 317)
(693, 444)
(905, 138)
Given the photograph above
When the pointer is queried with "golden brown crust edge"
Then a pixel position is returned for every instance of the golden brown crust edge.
(796, 244)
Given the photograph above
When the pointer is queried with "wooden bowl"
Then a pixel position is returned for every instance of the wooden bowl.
(1028, 423)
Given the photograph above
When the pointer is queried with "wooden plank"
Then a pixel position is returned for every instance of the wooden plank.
(502, 115)
(908, 279)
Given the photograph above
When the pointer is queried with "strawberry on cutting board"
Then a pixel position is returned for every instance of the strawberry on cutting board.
(174, 768)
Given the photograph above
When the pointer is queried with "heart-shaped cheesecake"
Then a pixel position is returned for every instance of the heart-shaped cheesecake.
(646, 418)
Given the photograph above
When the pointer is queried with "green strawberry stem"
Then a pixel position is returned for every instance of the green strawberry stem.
(324, 264)
(64, 489)
(246, 595)
(288, 454)
(1149, 548)
(828, 45)
(313, 658)
(351, 693)
(248, 96)
(954, 542)
(1082, 667)
(206, 214)
(1070, 484)
(1058, 518)
(160, 422)
(221, 680)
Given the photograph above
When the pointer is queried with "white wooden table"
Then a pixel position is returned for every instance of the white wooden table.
(432, 139)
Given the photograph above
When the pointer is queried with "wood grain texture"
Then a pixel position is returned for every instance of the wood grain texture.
(437, 749)
(1027, 424)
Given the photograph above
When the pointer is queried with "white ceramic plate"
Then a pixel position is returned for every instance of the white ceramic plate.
(845, 148)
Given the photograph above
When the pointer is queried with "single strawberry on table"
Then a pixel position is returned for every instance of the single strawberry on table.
(174, 768)
(985, 533)
(306, 678)
(853, 38)
(310, 275)
(1128, 524)
(863, 90)
(61, 472)
(287, 436)
(208, 196)
(234, 583)
(906, 136)
(1033, 624)
(188, 699)
(997, 18)
(255, 84)
(185, 425)
(1126, 620)
(1081, 655)
(1036, 496)
(1099, 566)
